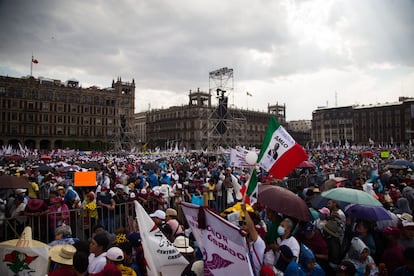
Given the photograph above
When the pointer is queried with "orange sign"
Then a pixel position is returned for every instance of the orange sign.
(83, 179)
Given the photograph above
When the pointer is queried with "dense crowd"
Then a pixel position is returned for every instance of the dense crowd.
(95, 227)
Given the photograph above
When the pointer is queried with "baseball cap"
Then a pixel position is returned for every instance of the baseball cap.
(115, 254)
(20, 191)
(158, 214)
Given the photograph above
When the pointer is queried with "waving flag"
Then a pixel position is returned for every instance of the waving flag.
(250, 190)
(280, 153)
(162, 256)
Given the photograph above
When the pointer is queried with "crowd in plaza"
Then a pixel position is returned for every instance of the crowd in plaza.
(93, 231)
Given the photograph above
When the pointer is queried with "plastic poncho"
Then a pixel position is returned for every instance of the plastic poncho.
(354, 252)
(305, 256)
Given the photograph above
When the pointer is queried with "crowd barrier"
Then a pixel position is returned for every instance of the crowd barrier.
(123, 216)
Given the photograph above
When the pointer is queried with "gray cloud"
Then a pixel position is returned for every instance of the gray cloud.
(172, 45)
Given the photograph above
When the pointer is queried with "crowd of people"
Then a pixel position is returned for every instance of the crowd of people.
(332, 243)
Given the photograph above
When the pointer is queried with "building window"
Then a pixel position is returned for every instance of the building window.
(14, 116)
(72, 131)
(29, 117)
(98, 121)
(45, 106)
(86, 120)
(85, 131)
(86, 109)
(29, 129)
(45, 130)
(60, 108)
(59, 130)
(59, 119)
(110, 122)
(73, 108)
(14, 104)
(73, 120)
(45, 117)
(13, 130)
(30, 105)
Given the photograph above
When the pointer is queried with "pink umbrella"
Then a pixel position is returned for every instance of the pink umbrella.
(306, 165)
(283, 201)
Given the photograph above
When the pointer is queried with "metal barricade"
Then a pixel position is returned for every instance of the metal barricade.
(81, 224)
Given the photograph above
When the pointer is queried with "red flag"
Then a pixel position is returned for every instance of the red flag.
(35, 61)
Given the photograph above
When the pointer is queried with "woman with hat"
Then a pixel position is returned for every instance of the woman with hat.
(62, 255)
(330, 233)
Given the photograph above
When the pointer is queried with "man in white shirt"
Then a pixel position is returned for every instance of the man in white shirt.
(285, 238)
(97, 249)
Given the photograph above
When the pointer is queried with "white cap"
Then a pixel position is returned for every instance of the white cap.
(158, 214)
(119, 186)
(20, 191)
(115, 254)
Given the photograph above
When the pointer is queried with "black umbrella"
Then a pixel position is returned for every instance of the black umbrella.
(44, 169)
(91, 165)
(401, 164)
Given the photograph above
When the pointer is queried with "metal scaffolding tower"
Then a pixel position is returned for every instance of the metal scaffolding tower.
(225, 126)
(124, 135)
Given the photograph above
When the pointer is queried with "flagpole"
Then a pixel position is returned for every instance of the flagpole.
(31, 67)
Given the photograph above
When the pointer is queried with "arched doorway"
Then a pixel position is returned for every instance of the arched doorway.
(44, 144)
(30, 144)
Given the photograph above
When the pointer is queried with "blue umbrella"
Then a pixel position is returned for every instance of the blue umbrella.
(401, 164)
(372, 213)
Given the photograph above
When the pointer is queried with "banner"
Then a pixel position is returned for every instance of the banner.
(160, 254)
(238, 158)
(224, 248)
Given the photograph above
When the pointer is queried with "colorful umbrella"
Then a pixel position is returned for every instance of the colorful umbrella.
(372, 213)
(283, 201)
(306, 165)
(45, 157)
(351, 196)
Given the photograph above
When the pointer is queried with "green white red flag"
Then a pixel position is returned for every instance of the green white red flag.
(280, 153)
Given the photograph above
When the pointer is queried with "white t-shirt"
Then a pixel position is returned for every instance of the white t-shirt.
(96, 264)
(259, 246)
(292, 243)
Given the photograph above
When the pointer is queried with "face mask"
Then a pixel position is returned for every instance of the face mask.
(281, 231)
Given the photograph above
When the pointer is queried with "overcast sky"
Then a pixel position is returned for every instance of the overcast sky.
(303, 54)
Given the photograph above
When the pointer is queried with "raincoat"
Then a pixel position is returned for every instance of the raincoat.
(354, 253)
(306, 255)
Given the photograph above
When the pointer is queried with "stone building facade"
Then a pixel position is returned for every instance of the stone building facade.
(47, 114)
(389, 123)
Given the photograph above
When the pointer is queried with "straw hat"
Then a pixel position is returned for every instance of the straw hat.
(182, 244)
(25, 240)
(62, 254)
(405, 216)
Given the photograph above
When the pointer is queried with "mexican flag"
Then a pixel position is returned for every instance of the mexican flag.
(280, 153)
(250, 190)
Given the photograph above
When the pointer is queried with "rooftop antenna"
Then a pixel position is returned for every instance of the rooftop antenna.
(336, 99)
